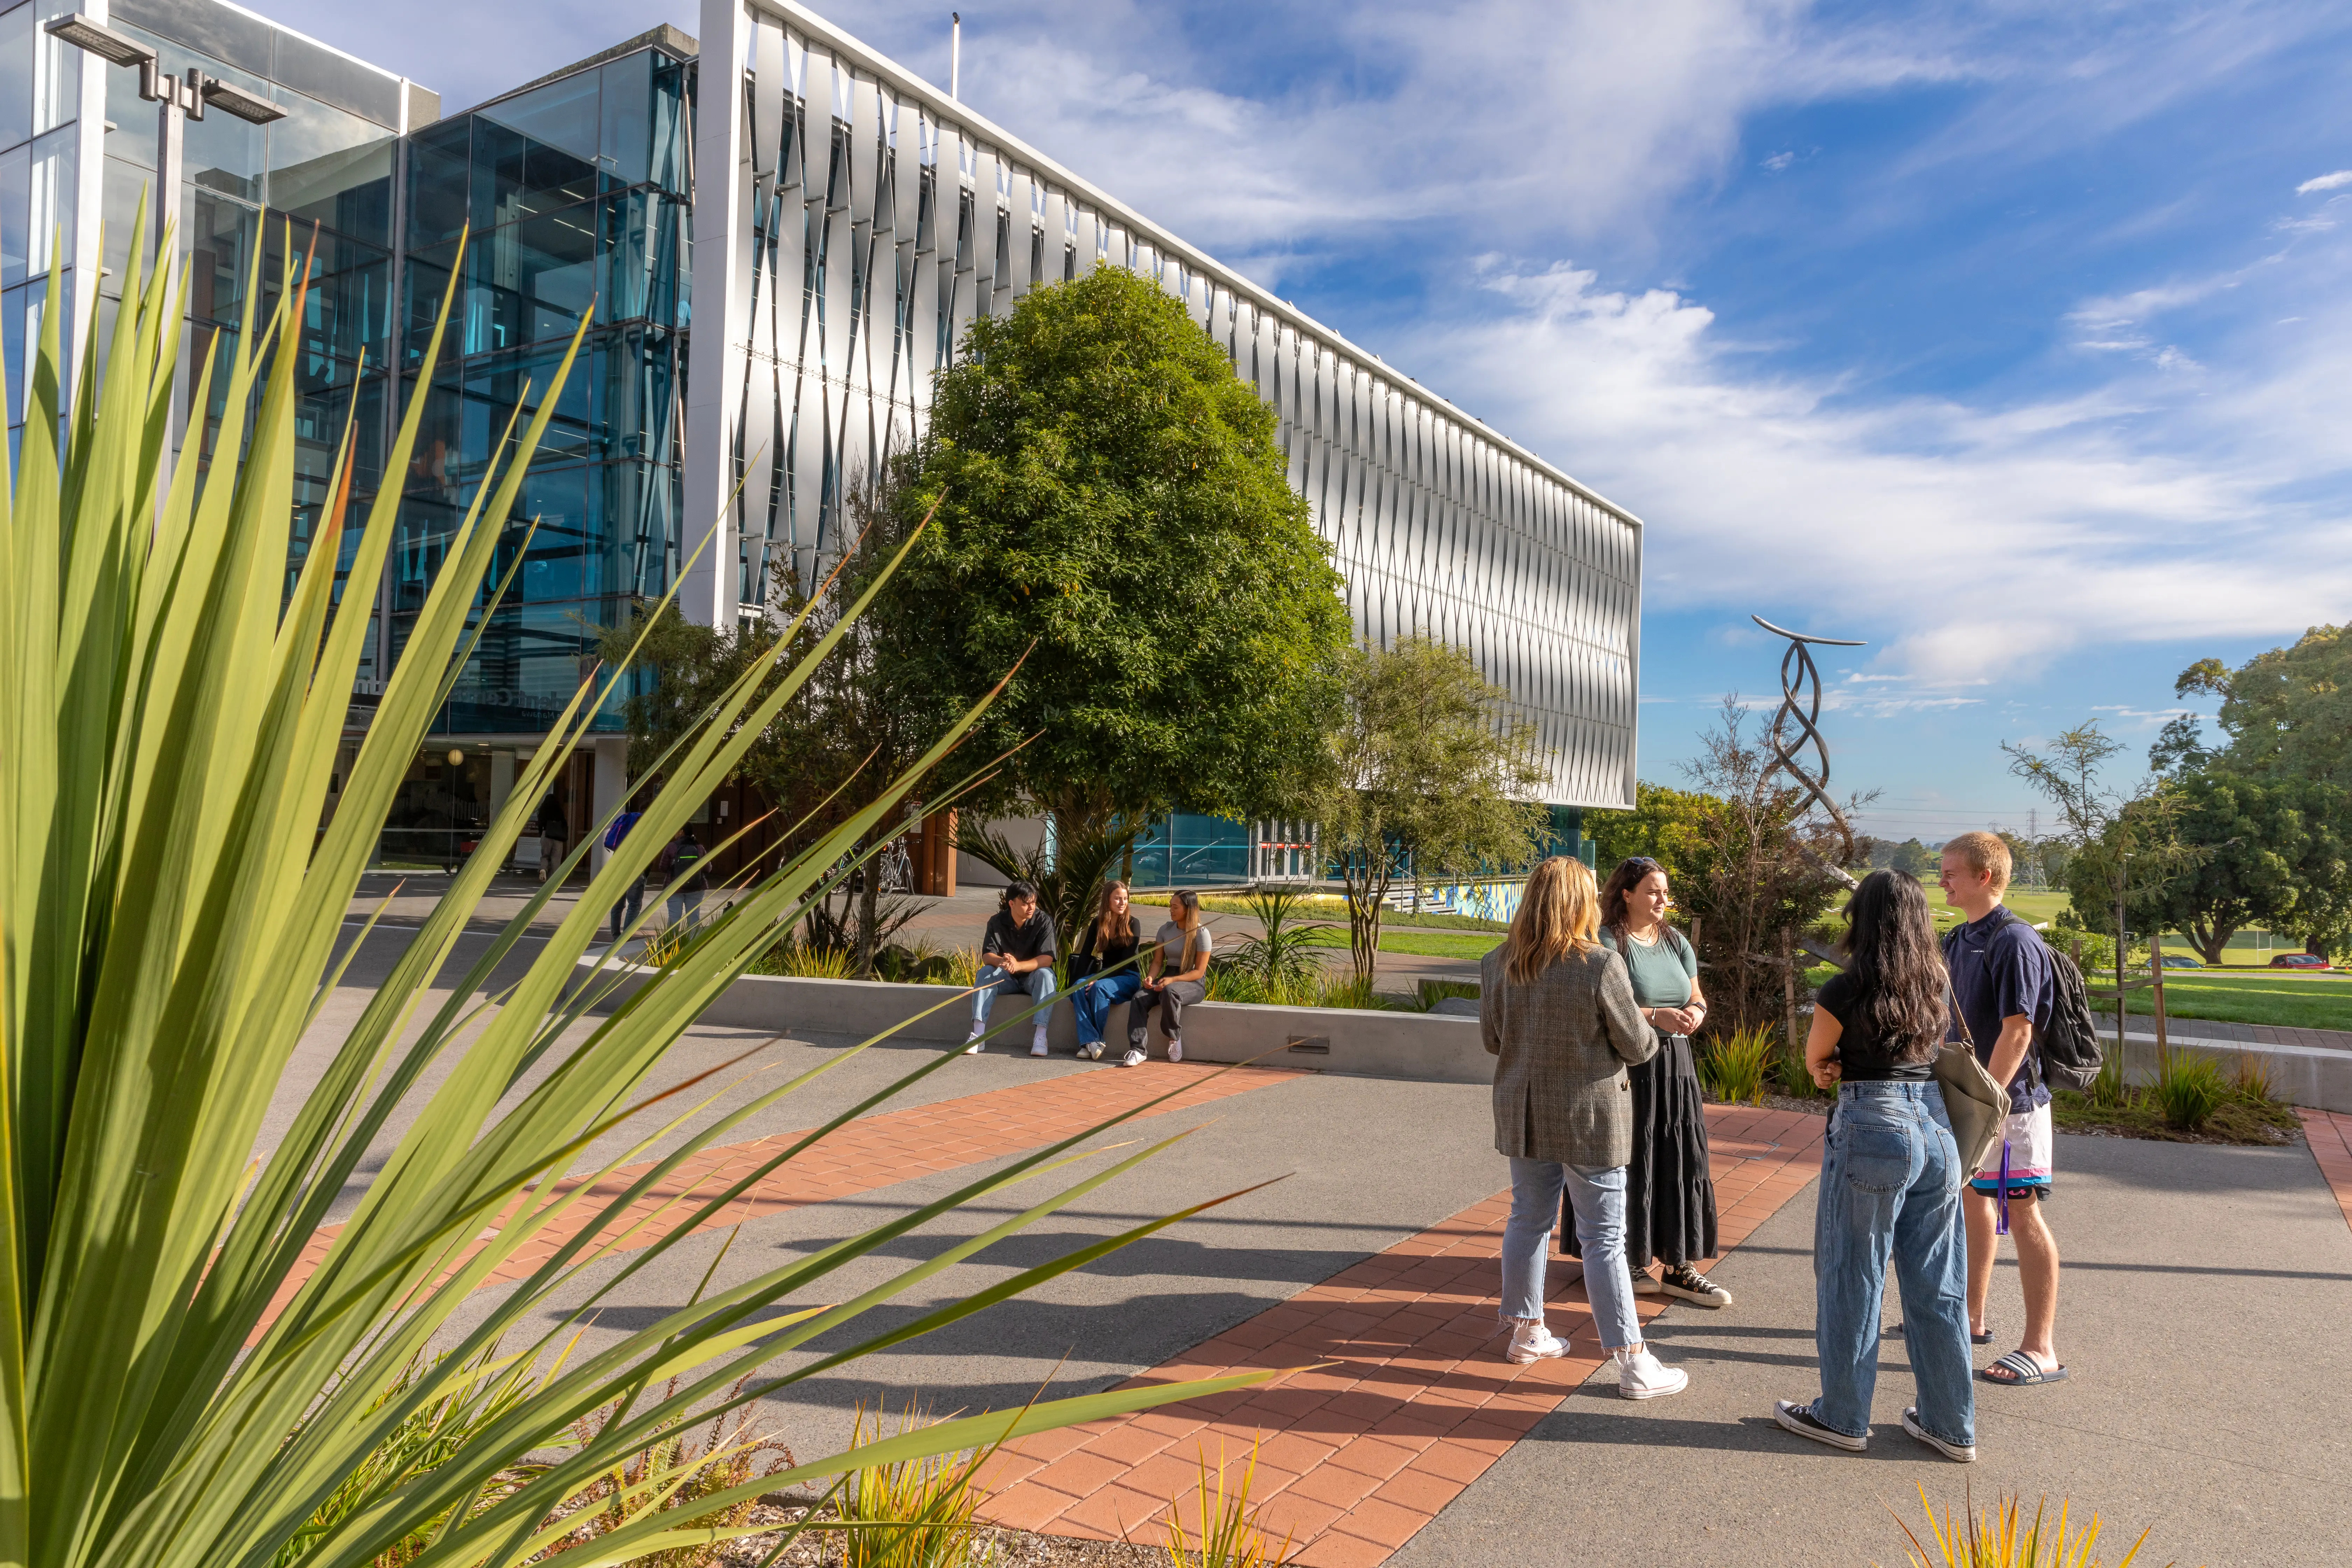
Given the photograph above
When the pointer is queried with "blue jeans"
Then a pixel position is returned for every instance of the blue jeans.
(1094, 998)
(684, 908)
(1037, 983)
(1891, 1186)
(633, 901)
(1597, 1193)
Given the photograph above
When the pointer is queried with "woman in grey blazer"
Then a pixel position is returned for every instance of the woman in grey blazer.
(1556, 1011)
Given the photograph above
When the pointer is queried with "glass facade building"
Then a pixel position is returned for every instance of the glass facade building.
(849, 222)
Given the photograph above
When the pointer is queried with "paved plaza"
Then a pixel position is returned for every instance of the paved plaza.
(2206, 1293)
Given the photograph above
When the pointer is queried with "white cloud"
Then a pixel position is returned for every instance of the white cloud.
(2336, 181)
(1780, 161)
(2148, 507)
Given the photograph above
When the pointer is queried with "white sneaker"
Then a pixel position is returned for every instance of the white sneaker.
(1134, 1058)
(1175, 1049)
(973, 1042)
(1534, 1342)
(1037, 1045)
(1643, 1376)
(1093, 1053)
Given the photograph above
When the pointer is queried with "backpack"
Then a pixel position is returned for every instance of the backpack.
(2070, 1047)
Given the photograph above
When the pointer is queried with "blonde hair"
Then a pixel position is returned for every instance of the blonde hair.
(1560, 911)
(1190, 903)
(1983, 852)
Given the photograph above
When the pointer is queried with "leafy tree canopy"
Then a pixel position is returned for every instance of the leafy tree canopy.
(1667, 825)
(2287, 713)
(1112, 505)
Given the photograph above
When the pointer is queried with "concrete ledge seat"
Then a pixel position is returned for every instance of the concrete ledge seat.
(1429, 1048)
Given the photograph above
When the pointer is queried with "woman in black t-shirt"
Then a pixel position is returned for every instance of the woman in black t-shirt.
(1104, 965)
(1890, 1187)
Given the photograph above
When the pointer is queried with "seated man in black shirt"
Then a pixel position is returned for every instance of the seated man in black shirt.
(1016, 954)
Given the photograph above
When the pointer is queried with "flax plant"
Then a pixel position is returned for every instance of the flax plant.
(175, 1390)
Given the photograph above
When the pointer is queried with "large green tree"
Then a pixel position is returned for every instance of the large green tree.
(1666, 824)
(1427, 771)
(2253, 841)
(1113, 517)
(2287, 713)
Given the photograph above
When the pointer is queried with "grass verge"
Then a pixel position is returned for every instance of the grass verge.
(2238, 1118)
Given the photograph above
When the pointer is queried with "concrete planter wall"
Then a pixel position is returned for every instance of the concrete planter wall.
(1430, 1047)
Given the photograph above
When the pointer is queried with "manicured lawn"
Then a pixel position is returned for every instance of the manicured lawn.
(2283, 1001)
(1422, 943)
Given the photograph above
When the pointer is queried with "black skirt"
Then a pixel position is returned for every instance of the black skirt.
(1669, 1196)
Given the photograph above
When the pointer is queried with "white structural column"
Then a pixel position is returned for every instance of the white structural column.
(851, 220)
(611, 781)
(715, 380)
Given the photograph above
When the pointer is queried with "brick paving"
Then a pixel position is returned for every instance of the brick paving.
(2329, 1133)
(872, 1151)
(1354, 1458)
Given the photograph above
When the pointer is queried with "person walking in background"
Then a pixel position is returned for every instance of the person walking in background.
(551, 838)
(1669, 1193)
(2004, 993)
(634, 899)
(1016, 954)
(683, 859)
(1103, 973)
(1179, 977)
(1890, 1185)
(1556, 1009)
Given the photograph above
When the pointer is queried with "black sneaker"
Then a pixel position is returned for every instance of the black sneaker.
(1958, 1453)
(1800, 1419)
(1688, 1283)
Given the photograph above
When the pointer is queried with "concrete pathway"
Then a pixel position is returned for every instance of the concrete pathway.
(2205, 1294)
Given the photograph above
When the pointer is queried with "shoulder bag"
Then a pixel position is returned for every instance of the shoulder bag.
(1977, 1107)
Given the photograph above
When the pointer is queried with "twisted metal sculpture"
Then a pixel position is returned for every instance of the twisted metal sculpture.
(1800, 708)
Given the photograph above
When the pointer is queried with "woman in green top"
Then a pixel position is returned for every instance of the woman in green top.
(1669, 1196)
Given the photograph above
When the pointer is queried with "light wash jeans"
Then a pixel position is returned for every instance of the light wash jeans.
(1597, 1193)
(1037, 983)
(1891, 1186)
(1093, 999)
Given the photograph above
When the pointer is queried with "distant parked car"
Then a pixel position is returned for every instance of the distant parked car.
(2182, 961)
(2300, 960)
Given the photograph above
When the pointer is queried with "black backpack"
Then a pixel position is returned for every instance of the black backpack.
(2070, 1047)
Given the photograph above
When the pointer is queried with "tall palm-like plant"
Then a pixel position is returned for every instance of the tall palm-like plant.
(175, 1391)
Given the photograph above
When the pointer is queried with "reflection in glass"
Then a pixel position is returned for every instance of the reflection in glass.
(330, 167)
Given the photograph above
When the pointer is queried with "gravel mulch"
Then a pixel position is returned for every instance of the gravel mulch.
(994, 1547)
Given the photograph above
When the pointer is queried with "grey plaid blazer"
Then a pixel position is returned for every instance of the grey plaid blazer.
(1562, 1045)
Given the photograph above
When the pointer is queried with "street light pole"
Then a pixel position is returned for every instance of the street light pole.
(177, 100)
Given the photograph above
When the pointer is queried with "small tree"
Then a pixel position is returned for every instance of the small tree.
(1761, 870)
(2122, 850)
(1424, 768)
(1665, 825)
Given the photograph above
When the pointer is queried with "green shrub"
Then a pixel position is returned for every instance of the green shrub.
(1734, 1067)
(1432, 992)
(1284, 958)
(2188, 1089)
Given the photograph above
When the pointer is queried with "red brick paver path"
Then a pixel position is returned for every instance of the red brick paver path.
(2330, 1135)
(873, 1151)
(1356, 1457)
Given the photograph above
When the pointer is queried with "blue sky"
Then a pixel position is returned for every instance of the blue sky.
(2012, 338)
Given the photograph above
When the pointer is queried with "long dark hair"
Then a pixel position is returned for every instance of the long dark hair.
(1629, 875)
(1897, 966)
